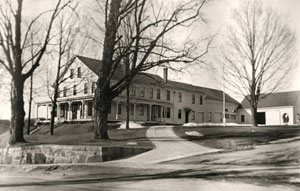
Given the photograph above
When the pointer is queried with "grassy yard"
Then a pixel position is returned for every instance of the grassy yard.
(82, 134)
(236, 138)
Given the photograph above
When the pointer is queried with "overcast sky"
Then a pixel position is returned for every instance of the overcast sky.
(218, 14)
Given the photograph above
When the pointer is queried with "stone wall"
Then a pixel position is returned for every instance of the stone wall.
(50, 154)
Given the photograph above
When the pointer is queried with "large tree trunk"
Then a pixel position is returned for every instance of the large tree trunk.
(102, 105)
(53, 110)
(103, 97)
(254, 114)
(17, 111)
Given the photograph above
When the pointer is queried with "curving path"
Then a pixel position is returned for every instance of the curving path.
(168, 147)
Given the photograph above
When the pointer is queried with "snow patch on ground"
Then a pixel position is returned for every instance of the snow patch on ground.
(132, 125)
(193, 133)
(213, 124)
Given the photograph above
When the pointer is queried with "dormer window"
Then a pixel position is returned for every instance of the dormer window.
(71, 73)
(78, 72)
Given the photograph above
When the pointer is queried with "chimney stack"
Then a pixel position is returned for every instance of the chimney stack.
(166, 74)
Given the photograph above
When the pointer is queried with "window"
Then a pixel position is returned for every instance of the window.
(151, 93)
(201, 100)
(142, 92)
(209, 117)
(74, 90)
(85, 90)
(227, 116)
(226, 110)
(242, 118)
(233, 117)
(131, 109)
(71, 73)
(78, 72)
(193, 115)
(179, 96)
(65, 92)
(90, 109)
(179, 113)
(93, 87)
(168, 112)
(132, 92)
(168, 95)
(119, 109)
(193, 99)
(158, 93)
(141, 110)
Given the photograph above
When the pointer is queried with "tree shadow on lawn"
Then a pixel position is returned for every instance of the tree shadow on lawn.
(236, 138)
(253, 176)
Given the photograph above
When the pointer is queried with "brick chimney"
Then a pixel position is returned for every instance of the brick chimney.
(166, 74)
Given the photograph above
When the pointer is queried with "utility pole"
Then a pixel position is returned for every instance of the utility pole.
(224, 109)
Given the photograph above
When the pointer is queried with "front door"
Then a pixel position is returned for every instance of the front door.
(187, 114)
(74, 111)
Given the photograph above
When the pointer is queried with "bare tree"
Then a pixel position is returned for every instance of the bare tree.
(14, 44)
(148, 23)
(65, 43)
(258, 54)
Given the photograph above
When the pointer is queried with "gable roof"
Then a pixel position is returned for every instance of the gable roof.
(289, 98)
(152, 79)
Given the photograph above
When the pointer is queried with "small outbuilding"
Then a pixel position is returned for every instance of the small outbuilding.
(275, 109)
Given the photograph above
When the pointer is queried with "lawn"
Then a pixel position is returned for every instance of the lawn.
(82, 134)
(236, 138)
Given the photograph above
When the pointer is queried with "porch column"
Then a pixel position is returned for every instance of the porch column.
(82, 109)
(37, 111)
(161, 113)
(117, 110)
(134, 111)
(47, 107)
(150, 110)
(70, 111)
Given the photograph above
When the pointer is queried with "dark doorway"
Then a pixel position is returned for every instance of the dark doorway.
(261, 118)
(187, 114)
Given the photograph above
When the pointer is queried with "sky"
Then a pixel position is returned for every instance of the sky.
(218, 16)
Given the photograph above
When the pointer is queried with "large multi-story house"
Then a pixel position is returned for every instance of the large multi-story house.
(152, 98)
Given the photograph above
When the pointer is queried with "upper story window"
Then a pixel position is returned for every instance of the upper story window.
(74, 90)
(93, 87)
(71, 73)
(201, 100)
(85, 88)
(179, 96)
(142, 93)
(65, 92)
(158, 93)
(58, 92)
(78, 72)
(168, 95)
(132, 92)
(193, 99)
(209, 117)
(151, 93)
